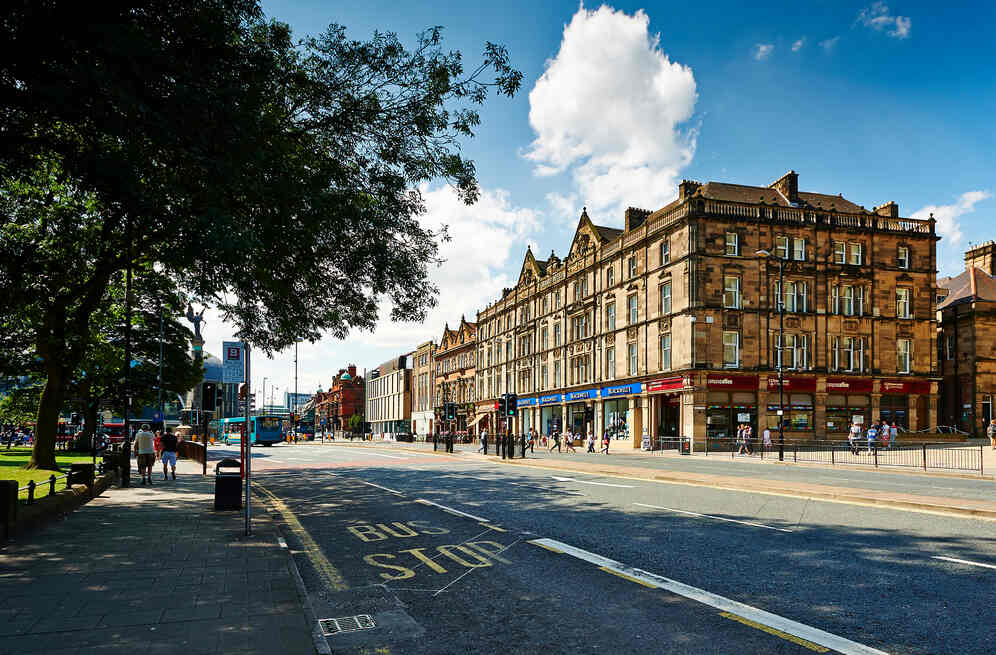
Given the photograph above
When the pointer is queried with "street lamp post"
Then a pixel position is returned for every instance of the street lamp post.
(781, 345)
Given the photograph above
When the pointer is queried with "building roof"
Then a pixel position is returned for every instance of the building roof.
(756, 194)
(968, 286)
(607, 233)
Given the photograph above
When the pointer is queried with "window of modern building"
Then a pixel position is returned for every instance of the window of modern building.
(610, 363)
(610, 316)
(903, 304)
(799, 249)
(665, 251)
(634, 361)
(610, 276)
(731, 349)
(732, 244)
(731, 292)
(634, 309)
(903, 352)
(632, 266)
(855, 254)
(903, 257)
(782, 247)
(666, 298)
(665, 351)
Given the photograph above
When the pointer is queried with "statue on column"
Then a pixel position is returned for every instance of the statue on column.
(196, 319)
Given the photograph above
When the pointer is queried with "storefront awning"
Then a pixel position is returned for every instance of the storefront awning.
(476, 420)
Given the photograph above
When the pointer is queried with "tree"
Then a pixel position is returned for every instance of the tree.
(197, 139)
(19, 405)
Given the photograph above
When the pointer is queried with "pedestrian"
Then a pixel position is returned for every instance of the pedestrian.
(531, 443)
(991, 431)
(883, 433)
(605, 444)
(741, 440)
(766, 438)
(556, 441)
(893, 434)
(158, 443)
(145, 448)
(570, 442)
(749, 438)
(871, 435)
(591, 441)
(168, 453)
(484, 442)
(852, 438)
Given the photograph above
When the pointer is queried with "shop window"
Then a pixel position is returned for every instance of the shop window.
(731, 292)
(634, 361)
(665, 251)
(903, 355)
(665, 352)
(666, 298)
(732, 244)
(839, 252)
(610, 316)
(731, 349)
(903, 257)
(614, 418)
(610, 363)
(903, 303)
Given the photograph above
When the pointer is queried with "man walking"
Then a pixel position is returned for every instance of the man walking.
(484, 442)
(556, 441)
(145, 447)
(169, 448)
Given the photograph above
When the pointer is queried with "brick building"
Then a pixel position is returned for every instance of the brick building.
(344, 398)
(669, 327)
(455, 364)
(423, 390)
(966, 342)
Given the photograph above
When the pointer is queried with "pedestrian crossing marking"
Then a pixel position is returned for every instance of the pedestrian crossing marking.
(778, 633)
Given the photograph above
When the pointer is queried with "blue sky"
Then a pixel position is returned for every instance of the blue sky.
(877, 101)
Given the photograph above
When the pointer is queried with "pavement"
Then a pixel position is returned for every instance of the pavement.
(152, 569)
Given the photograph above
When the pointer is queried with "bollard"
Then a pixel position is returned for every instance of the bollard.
(31, 492)
(484, 442)
(523, 446)
(51, 485)
(8, 506)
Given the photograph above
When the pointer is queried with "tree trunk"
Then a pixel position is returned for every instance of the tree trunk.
(47, 422)
(90, 419)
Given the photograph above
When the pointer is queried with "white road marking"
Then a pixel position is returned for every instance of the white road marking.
(283, 544)
(380, 487)
(390, 456)
(710, 516)
(601, 484)
(451, 510)
(964, 561)
(801, 630)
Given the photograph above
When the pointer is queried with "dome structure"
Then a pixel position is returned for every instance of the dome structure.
(212, 368)
(346, 376)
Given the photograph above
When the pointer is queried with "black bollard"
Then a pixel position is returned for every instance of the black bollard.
(435, 436)
(523, 446)
(484, 443)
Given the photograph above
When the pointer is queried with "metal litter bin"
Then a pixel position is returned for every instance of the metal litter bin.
(228, 485)
(686, 445)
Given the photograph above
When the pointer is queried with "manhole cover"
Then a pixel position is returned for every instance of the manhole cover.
(346, 624)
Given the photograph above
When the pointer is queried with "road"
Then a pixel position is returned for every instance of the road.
(459, 554)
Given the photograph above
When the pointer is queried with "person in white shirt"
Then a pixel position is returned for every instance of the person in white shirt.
(484, 441)
(145, 449)
(766, 437)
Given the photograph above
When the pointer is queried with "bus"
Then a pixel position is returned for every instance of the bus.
(264, 430)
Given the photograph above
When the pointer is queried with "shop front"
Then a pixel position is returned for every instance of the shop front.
(667, 403)
(578, 407)
(895, 404)
(848, 401)
(550, 420)
(617, 421)
(797, 401)
(527, 421)
(731, 400)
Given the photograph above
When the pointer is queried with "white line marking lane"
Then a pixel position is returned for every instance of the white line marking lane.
(809, 633)
(371, 484)
(963, 561)
(600, 484)
(451, 510)
(710, 516)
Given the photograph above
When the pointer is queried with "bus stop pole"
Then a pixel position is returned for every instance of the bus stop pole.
(247, 440)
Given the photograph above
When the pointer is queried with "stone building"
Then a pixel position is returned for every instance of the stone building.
(669, 327)
(966, 342)
(334, 408)
(455, 363)
(423, 390)
(389, 398)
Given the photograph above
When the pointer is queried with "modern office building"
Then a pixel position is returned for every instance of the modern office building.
(389, 398)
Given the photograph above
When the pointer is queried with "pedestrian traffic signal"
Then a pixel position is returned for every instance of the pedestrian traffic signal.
(450, 411)
(209, 396)
(502, 404)
(220, 400)
(512, 404)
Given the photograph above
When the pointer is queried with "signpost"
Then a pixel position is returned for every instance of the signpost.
(233, 361)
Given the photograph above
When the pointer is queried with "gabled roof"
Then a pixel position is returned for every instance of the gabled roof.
(756, 194)
(968, 286)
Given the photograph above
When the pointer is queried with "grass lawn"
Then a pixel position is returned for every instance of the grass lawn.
(12, 468)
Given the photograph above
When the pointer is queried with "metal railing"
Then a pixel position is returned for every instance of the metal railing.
(924, 456)
(32, 487)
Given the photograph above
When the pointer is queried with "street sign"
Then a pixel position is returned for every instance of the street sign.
(233, 361)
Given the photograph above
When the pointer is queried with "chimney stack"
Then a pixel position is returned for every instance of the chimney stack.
(982, 256)
(635, 217)
(788, 186)
(889, 210)
(686, 189)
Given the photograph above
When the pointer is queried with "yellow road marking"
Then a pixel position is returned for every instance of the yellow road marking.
(778, 633)
(627, 577)
(494, 527)
(329, 574)
(549, 548)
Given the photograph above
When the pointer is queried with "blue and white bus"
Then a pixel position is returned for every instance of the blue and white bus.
(264, 430)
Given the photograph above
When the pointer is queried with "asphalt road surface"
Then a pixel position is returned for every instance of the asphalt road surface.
(453, 555)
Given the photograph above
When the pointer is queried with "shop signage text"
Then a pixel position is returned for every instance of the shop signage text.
(793, 384)
(526, 402)
(622, 389)
(905, 386)
(553, 398)
(666, 384)
(582, 395)
(739, 382)
(836, 385)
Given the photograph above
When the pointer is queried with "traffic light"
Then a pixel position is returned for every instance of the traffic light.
(512, 404)
(242, 392)
(209, 396)
(502, 404)
(450, 411)
(220, 400)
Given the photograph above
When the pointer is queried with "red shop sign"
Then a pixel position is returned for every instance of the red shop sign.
(666, 384)
(793, 384)
(837, 385)
(737, 382)
(905, 386)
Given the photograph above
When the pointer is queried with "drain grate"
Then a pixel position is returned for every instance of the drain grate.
(346, 624)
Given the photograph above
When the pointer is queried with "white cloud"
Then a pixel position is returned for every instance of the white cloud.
(829, 44)
(564, 206)
(797, 46)
(877, 17)
(763, 51)
(608, 109)
(948, 225)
